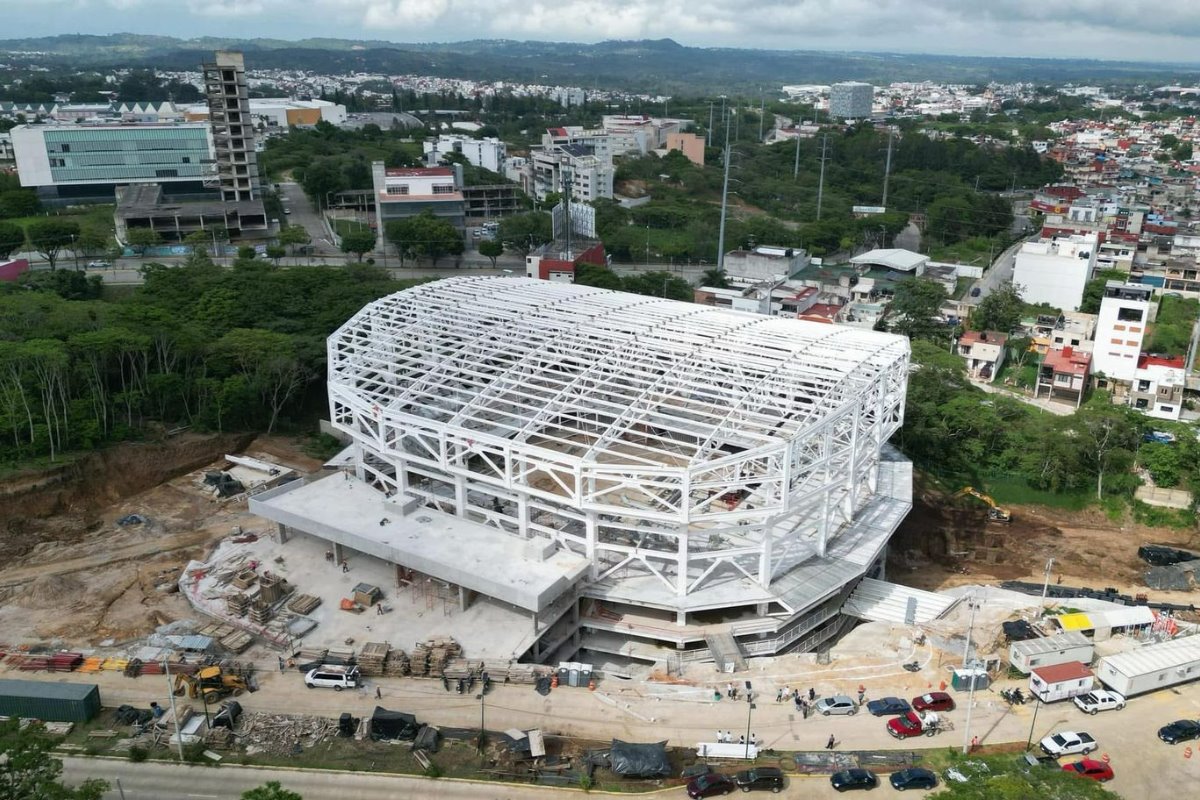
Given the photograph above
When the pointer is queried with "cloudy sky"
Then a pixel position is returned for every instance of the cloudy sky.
(1105, 29)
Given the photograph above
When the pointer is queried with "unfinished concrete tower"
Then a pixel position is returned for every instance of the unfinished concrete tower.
(232, 127)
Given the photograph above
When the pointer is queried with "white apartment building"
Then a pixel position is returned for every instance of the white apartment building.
(1120, 329)
(591, 176)
(600, 141)
(489, 153)
(1055, 271)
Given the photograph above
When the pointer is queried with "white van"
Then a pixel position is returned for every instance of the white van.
(330, 676)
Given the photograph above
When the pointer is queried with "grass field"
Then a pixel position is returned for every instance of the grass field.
(98, 216)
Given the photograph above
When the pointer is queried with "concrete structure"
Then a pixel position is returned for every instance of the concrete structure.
(691, 145)
(66, 161)
(1055, 271)
(1047, 651)
(851, 100)
(489, 154)
(1151, 666)
(895, 259)
(764, 263)
(1073, 329)
(1060, 681)
(591, 173)
(632, 472)
(410, 191)
(232, 127)
(280, 113)
(984, 352)
(1157, 386)
(1121, 329)
(557, 261)
(145, 206)
(1064, 371)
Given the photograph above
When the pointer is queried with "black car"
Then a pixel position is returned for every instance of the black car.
(888, 706)
(853, 779)
(710, 785)
(1181, 730)
(913, 778)
(1019, 631)
(760, 778)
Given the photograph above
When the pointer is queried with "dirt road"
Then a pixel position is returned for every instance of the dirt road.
(107, 557)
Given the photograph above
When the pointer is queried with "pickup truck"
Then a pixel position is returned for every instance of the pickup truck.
(1099, 700)
(1068, 743)
(913, 724)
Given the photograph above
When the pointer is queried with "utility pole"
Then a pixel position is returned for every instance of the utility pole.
(1046, 585)
(887, 168)
(174, 715)
(796, 168)
(762, 115)
(710, 122)
(725, 206)
(971, 697)
(821, 182)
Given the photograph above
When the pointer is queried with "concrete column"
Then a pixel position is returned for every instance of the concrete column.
(536, 625)
(575, 611)
(463, 600)
(762, 609)
(339, 554)
(523, 516)
(284, 533)
(399, 576)
(460, 496)
(681, 618)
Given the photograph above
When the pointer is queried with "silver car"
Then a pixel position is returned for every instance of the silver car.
(837, 704)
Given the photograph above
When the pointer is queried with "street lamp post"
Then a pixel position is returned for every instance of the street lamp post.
(970, 697)
(749, 711)
(1033, 722)
(479, 697)
(1046, 586)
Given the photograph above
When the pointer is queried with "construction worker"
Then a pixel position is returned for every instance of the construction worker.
(829, 745)
(345, 566)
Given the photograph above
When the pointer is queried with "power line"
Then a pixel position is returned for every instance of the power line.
(821, 183)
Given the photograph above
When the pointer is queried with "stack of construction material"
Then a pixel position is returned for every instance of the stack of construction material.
(441, 650)
(462, 668)
(371, 658)
(64, 661)
(303, 603)
(419, 660)
(339, 655)
(524, 673)
(260, 612)
(310, 655)
(237, 641)
(236, 604)
(396, 664)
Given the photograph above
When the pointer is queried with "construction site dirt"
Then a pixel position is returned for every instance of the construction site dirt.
(72, 576)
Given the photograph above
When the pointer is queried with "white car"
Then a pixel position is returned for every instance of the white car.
(1068, 743)
(1099, 700)
(330, 676)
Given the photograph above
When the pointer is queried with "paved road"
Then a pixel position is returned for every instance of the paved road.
(167, 781)
(303, 213)
(1001, 272)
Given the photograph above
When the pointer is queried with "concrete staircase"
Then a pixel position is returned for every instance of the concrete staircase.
(725, 651)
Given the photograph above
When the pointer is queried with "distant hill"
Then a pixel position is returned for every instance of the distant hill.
(647, 65)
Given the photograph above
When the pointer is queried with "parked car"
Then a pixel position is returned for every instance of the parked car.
(760, 778)
(913, 778)
(888, 706)
(853, 779)
(1068, 743)
(933, 701)
(975, 292)
(1099, 700)
(1090, 768)
(837, 704)
(99, 264)
(909, 725)
(332, 677)
(710, 785)
(1181, 730)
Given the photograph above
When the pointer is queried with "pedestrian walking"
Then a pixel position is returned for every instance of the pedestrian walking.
(281, 663)
(797, 702)
(974, 743)
(729, 690)
(379, 609)
(812, 694)
(378, 693)
(829, 745)
(787, 692)
(805, 708)
(779, 695)
(862, 692)
(720, 737)
(742, 739)
(345, 566)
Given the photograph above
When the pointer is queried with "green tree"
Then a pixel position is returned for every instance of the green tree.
(424, 235)
(1106, 437)
(29, 770)
(270, 791)
(715, 278)
(524, 232)
(358, 242)
(276, 252)
(199, 241)
(19, 203)
(1093, 291)
(915, 309)
(658, 284)
(492, 249)
(1000, 311)
(12, 238)
(293, 235)
(594, 275)
(50, 235)
(142, 239)
(269, 364)
(93, 241)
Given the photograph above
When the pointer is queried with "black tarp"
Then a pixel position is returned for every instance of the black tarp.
(427, 739)
(640, 760)
(393, 724)
(227, 717)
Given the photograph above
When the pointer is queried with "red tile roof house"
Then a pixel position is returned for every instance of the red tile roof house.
(1060, 681)
(1064, 370)
(984, 352)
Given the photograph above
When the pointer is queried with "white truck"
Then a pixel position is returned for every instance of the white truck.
(1068, 743)
(1099, 700)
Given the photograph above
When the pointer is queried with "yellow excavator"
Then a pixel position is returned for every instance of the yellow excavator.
(995, 512)
(210, 683)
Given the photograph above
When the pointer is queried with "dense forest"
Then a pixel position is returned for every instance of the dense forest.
(217, 349)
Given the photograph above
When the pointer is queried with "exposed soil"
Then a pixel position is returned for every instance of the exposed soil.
(69, 572)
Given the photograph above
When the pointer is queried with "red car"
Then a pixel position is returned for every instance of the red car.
(903, 727)
(933, 701)
(1090, 768)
